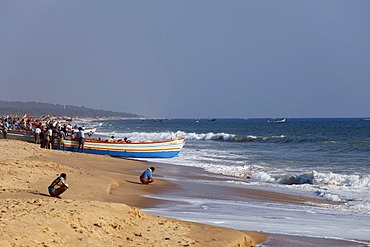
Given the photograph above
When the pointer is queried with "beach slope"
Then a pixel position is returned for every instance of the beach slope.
(101, 207)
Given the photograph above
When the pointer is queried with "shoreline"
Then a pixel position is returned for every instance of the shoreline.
(99, 208)
(105, 182)
(188, 179)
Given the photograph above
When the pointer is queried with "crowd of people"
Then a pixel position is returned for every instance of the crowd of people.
(12, 123)
(45, 132)
(49, 132)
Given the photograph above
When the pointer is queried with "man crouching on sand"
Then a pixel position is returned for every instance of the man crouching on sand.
(147, 176)
(58, 186)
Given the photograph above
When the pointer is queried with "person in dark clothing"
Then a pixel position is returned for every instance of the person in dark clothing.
(81, 139)
(5, 132)
(42, 138)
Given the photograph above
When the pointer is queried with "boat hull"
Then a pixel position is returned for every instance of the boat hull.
(161, 149)
(20, 135)
(276, 121)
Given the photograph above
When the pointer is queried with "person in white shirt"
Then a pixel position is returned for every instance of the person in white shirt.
(49, 135)
(37, 135)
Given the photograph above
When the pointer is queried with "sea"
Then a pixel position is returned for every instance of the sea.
(319, 158)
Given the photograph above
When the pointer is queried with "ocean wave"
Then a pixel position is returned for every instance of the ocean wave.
(332, 187)
(210, 136)
(235, 138)
(357, 206)
(141, 136)
(244, 171)
(252, 138)
(352, 205)
(207, 136)
(257, 173)
(335, 179)
(329, 196)
(315, 178)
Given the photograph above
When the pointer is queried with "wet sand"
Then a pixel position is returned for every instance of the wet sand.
(187, 179)
(280, 240)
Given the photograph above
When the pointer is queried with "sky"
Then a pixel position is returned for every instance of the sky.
(190, 59)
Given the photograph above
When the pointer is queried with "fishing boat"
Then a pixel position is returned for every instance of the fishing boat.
(158, 149)
(273, 120)
(22, 135)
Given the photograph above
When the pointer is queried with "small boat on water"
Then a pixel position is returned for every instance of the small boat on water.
(158, 149)
(273, 120)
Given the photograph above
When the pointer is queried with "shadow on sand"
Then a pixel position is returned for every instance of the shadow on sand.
(40, 194)
(133, 182)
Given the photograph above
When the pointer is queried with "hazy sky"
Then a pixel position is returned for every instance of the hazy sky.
(189, 58)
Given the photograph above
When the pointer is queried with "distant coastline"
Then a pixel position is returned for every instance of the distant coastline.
(38, 109)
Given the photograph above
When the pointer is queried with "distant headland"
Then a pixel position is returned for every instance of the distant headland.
(41, 109)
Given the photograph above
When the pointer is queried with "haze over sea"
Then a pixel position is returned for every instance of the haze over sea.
(320, 158)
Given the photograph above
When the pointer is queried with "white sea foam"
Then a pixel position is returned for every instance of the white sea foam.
(359, 181)
(141, 136)
(329, 196)
(264, 173)
(353, 190)
(268, 217)
(207, 136)
(188, 135)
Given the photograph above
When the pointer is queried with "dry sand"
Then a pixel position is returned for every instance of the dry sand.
(99, 209)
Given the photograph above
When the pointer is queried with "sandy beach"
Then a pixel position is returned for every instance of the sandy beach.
(101, 207)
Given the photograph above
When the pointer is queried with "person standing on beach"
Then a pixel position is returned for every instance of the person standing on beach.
(49, 138)
(58, 186)
(37, 135)
(61, 137)
(42, 138)
(147, 176)
(5, 131)
(81, 140)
